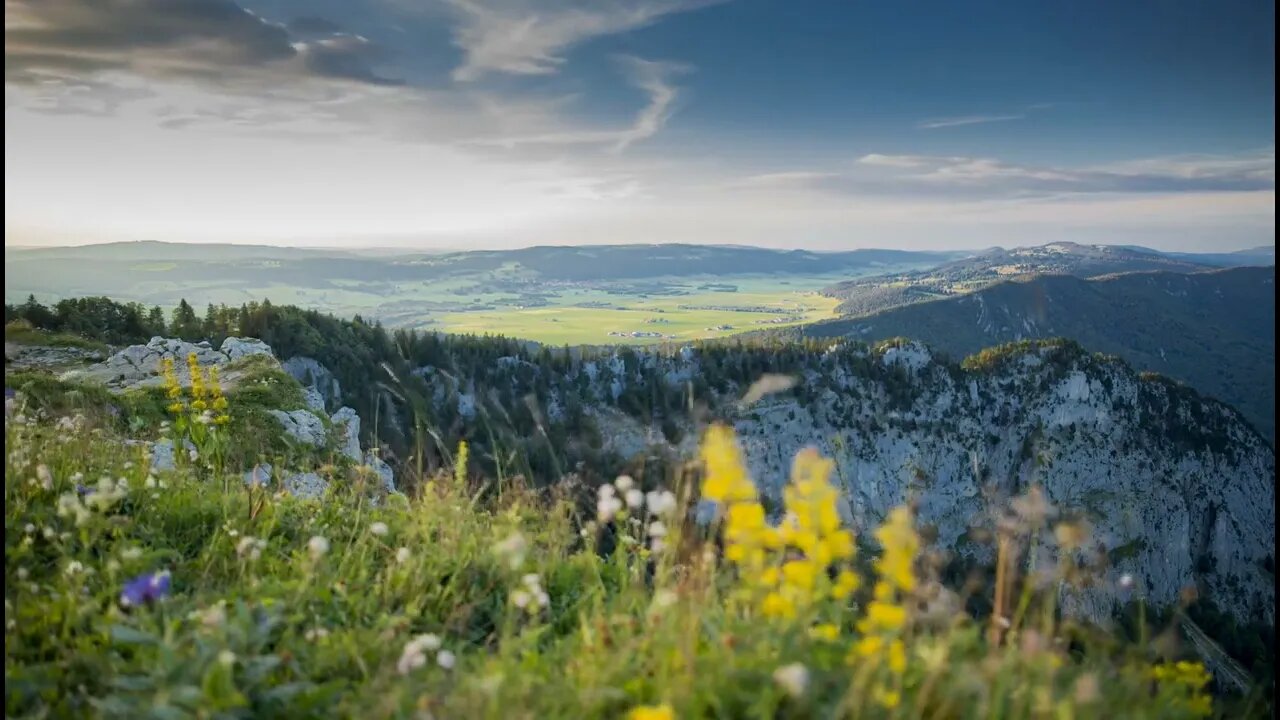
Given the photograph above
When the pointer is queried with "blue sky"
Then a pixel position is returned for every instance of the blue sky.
(466, 123)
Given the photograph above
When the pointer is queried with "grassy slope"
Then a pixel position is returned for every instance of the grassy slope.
(1214, 330)
(301, 633)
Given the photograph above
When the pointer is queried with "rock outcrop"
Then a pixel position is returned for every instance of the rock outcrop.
(312, 374)
(138, 366)
(348, 424)
(302, 426)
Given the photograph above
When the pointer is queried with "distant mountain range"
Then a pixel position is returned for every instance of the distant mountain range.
(1214, 330)
(871, 294)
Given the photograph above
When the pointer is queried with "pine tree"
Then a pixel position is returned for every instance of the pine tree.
(186, 324)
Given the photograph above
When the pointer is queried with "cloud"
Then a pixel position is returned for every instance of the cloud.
(978, 176)
(213, 41)
(530, 37)
(651, 76)
(984, 119)
(967, 120)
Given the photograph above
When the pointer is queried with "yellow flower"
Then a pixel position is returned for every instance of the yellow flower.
(652, 712)
(775, 605)
(827, 632)
(869, 646)
(889, 699)
(177, 408)
(897, 657)
(900, 543)
(883, 616)
(846, 584)
(799, 573)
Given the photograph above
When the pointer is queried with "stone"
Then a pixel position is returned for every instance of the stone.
(302, 426)
(348, 424)
(313, 399)
(384, 471)
(235, 348)
(311, 373)
(307, 485)
(260, 474)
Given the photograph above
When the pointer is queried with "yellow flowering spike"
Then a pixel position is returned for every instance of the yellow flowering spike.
(726, 476)
(460, 463)
(900, 544)
(897, 657)
(800, 574)
(776, 605)
(882, 616)
(846, 584)
(652, 712)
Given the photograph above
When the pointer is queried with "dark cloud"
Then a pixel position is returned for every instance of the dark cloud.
(313, 26)
(210, 40)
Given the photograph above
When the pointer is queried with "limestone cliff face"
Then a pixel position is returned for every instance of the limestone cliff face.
(1178, 490)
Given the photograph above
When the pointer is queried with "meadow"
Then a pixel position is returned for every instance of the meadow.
(135, 593)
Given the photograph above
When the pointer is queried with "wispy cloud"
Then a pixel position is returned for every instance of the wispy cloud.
(967, 120)
(983, 119)
(651, 76)
(530, 37)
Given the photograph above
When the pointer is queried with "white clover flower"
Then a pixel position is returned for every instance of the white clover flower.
(606, 491)
(403, 555)
(379, 529)
(318, 546)
(250, 547)
(624, 483)
(657, 529)
(150, 482)
(543, 598)
(29, 529)
(521, 599)
(446, 659)
(635, 499)
(317, 633)
(428, 641)
(73, 568)
(531, 580)
(793, 678)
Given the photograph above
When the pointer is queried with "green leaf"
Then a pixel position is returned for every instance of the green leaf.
(125, 635)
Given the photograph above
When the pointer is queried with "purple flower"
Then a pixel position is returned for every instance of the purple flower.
(147, 587)
(85, 490)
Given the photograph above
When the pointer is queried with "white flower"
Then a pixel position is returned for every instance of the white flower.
(403, 555)
(318, 546)
(531, 581)
(446, 659)
(23, 573)
(226, 657)
(46, 477)
(378, 528)
(193, 455)
(624, 483)
(315, 634)
(635, 499)
(543, 598)
(607, 507)
(661, 502)
(520, 599)
(428, 641)
(131, 553)
(29, 529)
(606, 491)
(150, 482)
(75, 567)
(512, 549)
(793, 678)
(250, 547)
(657, 529)
(411, 659)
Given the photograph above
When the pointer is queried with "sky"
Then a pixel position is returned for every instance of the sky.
(818, 124)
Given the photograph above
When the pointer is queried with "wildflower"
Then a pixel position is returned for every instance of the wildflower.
(45, 476)
(227, 658)
(73, 568)
(413, 656)
(793, 678)
(520, 599)
(657, 529)
(403, 555)
(318, 546)
(1071, 536)
(652, 712)
(624, 483)
(635, 499)
(250, 548)
(131, 553)
(379, 529)
(664, 599)
(660, 502)
(69, 506)
(607, 507)
(827, 632)
(213, 616)
(315, 634)
(148, 587)
(446, 659)
(460, 464)
(512, 549)
(29, 529)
